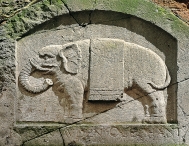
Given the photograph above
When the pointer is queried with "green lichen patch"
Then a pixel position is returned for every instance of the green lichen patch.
(143, 9)
(32, 16)
(50, 139)
(36, 14)
(80, 5)
(44, 10)
(30, 132)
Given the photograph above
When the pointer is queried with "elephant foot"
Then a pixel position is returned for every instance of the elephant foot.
(155, 120)
(75, 114)
(76, 111)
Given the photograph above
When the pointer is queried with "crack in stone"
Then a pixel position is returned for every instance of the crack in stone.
(150, 93)
(39, 136)
(184, 113)
(179, 82)
(124, 103)
(83, 25)
(90, 20)
(172, 134)
(63, 143)
(90, 16)
(184, 136)
(71, 14)
(117, 106)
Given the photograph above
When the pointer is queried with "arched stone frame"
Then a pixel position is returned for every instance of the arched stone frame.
(163, 19)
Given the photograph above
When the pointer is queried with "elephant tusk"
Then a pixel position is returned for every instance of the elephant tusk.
(49, 65)
(49, 81)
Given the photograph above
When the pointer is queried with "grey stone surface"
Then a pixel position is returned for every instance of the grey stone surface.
(120, 135)
(61, 110)
(32, 131)
(104, 68)
(53, 138)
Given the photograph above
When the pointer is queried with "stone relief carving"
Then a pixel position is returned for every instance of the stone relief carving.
(115, 67)
(51, 60)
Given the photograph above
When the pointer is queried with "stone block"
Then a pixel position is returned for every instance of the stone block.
(94, 73)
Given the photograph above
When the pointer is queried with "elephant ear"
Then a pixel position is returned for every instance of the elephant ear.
(71, 58)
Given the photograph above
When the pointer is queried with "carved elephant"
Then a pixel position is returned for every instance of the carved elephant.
(103, 67)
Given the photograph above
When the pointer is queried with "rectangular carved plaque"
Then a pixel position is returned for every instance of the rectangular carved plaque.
(106, 70)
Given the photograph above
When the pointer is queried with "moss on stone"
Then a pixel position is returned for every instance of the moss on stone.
(31, 132)
(45, 10)
(36, 14)
(143, 9)
(80, 3)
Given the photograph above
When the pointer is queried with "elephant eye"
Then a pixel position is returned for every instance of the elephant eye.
(41, 56)
(46, 56)
(50, 56)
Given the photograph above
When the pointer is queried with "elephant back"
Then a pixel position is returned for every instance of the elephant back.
(143, 64)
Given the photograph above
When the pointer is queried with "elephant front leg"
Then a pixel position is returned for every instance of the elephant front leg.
(157, 108)
(75, 93)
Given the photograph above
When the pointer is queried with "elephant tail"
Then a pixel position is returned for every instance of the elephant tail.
(167, 81)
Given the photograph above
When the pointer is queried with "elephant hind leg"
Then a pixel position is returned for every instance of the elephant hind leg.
(156, 105)
(153, 101)
(139, 90)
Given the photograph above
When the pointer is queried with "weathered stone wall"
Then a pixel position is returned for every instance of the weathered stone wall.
(115, 51)
(10, 7)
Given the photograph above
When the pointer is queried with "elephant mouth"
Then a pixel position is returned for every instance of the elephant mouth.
(48, 66)
(44, 66)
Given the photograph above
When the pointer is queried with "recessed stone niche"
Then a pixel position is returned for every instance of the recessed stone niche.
(100, 75)
(114, 62)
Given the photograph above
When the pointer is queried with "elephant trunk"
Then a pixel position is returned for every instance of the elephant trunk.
(167, 81)
(25, 82)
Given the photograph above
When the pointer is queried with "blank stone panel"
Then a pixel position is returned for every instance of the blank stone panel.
(106, 69)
